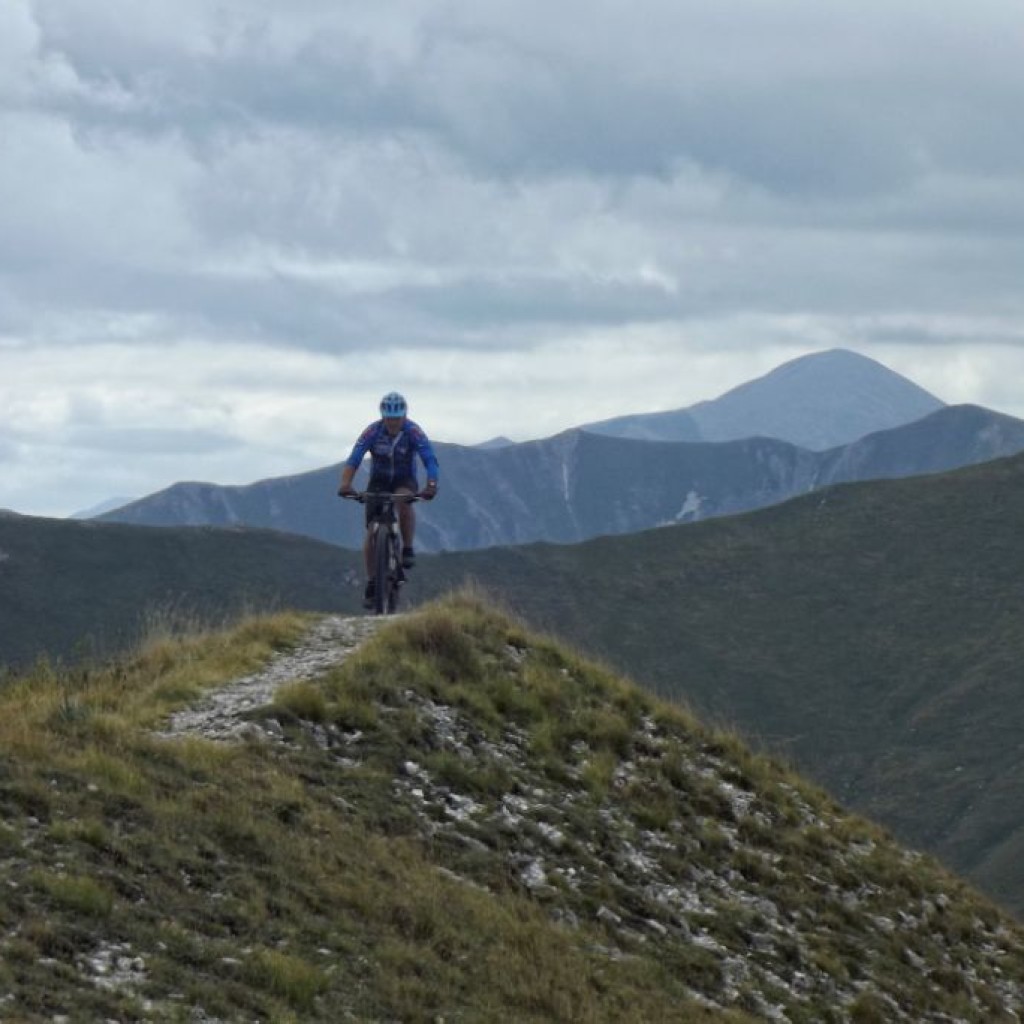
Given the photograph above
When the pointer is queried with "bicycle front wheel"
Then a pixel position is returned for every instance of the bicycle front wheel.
(384, 590)
(395, 574)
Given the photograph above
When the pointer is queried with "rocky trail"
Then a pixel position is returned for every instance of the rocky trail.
(219, 715)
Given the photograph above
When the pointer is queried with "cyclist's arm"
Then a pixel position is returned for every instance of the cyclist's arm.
(353, 462)
(347, 473)
(426, 453)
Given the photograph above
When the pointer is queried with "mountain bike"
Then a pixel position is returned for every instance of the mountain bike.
(385, 547)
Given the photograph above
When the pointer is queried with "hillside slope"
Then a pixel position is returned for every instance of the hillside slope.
(461, 822)
(872, 632)
(70, 590)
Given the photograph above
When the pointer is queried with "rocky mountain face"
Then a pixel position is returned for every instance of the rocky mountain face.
(818, 401)
(579, 484)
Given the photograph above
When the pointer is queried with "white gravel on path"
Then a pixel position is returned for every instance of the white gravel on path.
(218, 715)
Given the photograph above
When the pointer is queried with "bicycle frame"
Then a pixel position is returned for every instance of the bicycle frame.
(385, 546)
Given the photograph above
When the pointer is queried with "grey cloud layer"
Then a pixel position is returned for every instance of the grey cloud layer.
(333, 172)
(786, 96)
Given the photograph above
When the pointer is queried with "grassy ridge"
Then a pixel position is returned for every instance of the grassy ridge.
(462, 821)
(151, 877)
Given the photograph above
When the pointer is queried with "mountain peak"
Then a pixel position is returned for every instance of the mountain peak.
(495, 442)
(833, 367)
(817, 401)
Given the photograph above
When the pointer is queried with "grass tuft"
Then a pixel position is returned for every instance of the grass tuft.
(289, 977)
(78, 894)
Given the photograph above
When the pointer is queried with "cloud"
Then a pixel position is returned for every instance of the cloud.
(144, 441)
(796, 96)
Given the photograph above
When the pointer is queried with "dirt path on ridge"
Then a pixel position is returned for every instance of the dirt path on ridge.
(218, 715)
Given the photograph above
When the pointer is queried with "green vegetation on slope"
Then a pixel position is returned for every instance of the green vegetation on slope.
(461, 821)
(873, 633)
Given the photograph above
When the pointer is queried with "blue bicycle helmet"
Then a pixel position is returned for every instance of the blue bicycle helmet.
(393, 404)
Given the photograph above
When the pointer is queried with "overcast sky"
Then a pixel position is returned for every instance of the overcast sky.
(228, 226)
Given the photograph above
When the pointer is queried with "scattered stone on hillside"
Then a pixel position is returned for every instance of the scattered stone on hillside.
(534, 828)
(710, 886)
(219, 716)
(115, 967)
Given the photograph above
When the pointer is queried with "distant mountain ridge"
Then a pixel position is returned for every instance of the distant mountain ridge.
(579, 485)
(818, 401)
(95, 511)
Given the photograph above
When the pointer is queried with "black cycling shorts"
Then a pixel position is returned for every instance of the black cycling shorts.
(387, 487)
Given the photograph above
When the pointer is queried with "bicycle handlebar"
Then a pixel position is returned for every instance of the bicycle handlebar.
(364, 496)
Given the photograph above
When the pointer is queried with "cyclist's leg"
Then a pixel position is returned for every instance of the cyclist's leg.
(407, 520)
(368, 553)
(372, 507)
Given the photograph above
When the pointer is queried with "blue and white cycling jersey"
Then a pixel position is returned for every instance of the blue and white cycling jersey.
(393, 458)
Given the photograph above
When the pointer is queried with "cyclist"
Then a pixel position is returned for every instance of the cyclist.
(393, 442)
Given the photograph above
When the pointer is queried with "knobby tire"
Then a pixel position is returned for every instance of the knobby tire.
(382, 599)
(395, 577)
(394, 573)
